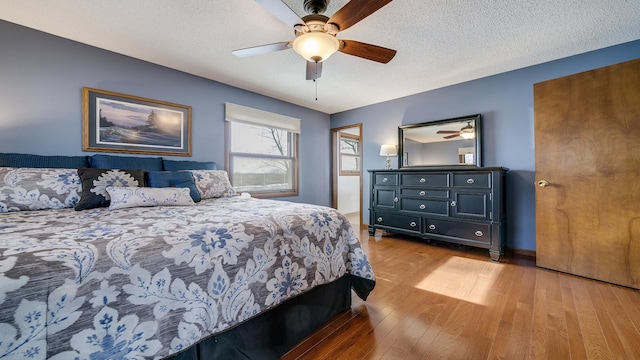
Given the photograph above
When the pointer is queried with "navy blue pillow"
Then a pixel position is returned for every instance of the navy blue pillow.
(173, 165)
(43, 161)
(180, 179)
(125, 162)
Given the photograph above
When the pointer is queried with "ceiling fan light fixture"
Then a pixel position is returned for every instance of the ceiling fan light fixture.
(467, 133)
(316, 46)
(467, 136)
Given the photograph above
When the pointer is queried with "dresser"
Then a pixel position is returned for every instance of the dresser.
(452, 204)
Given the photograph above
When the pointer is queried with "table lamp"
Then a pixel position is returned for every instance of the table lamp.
(388, 150)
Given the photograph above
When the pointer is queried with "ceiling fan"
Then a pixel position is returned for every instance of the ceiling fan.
(466, 132)
(316, 33)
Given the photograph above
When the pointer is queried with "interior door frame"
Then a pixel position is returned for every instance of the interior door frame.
(335, 163)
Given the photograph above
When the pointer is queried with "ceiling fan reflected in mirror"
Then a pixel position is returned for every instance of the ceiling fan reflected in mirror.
(316, 33)
(466, 132)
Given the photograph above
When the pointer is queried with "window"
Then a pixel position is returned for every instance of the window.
(349, 155)
(262, 151)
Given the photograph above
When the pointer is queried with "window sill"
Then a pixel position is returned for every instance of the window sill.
(266, 195)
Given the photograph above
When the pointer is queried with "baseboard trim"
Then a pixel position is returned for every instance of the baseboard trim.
(524, 252)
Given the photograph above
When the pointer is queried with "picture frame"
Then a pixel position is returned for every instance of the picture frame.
(121, 123)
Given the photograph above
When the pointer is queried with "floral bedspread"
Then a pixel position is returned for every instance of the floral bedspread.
(147, 282)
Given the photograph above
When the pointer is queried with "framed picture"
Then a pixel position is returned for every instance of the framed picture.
(113, 122)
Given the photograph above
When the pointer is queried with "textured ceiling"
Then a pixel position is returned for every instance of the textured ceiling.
(439, 42)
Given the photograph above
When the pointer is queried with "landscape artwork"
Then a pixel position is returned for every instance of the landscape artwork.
(124, 123)
(139, 125)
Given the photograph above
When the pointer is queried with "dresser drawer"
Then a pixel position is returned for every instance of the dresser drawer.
(397, 221)
(418, 192)
(440, 207)
(424, 180)
(386, 179)
(475, 180)
(463, 230)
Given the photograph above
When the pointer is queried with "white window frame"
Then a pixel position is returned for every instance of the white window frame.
(247, 115)
(357, 156)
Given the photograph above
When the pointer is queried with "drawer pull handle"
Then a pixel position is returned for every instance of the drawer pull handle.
(395, 199)
(413, 224)
(422, 206)
(453, 203)
(470, 181)
(432, 227)
(423, 180)
(479, 233)
(385, 180)
(379, 219)
(422, 193)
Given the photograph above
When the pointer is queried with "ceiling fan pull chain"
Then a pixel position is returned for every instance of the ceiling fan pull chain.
(315, 80)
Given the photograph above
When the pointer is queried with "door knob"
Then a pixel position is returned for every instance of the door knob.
(543, 183)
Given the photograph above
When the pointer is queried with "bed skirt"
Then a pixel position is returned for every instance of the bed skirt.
(270, 335)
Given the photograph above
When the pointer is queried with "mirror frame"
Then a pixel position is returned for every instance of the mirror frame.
(475, 119)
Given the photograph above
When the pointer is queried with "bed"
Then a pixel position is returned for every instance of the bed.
(230, 277)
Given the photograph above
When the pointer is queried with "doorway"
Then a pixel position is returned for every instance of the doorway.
(346, 172)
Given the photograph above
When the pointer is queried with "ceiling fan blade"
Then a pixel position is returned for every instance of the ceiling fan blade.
(262, 49)
(367, 51)
(451, 136)
(354, 11)
(314, 70)
(448, 132)
(281, 11)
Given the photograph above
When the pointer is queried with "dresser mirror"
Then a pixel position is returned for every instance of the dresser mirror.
(447, 142)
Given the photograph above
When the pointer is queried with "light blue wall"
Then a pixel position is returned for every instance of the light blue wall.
(41, 77)
(506, 103)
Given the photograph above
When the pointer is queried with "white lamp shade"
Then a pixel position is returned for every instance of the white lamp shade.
(316, 46)
(388, 150)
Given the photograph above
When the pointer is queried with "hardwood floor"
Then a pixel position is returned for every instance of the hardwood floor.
(440, 301)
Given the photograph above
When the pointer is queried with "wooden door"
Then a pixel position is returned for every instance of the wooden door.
(587, 150)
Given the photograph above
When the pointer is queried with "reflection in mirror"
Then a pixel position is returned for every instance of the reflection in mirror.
(446, 142)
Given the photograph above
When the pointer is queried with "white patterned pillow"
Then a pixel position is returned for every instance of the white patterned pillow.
(126, 197)
(38, 188)
(213, 183)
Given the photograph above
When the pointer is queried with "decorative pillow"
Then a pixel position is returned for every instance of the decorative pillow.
(95, 182)
(126, 197)
(38, 188)
(179, 179)
(125, 162)
(43, 161)
(173, 165)
(213, 183)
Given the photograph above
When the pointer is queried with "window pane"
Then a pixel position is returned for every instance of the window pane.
(348, 146)
(261, 174)
(349, 163)
(256, 139)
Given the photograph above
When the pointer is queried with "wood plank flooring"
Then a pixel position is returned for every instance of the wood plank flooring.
(441, 301)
